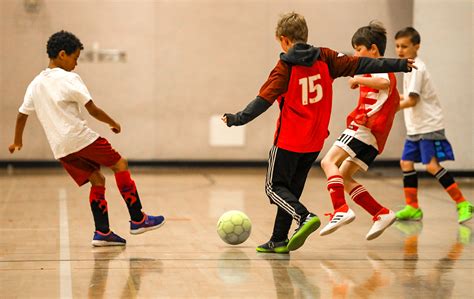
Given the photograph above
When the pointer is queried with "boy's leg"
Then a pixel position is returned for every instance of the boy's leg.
(98, 203)
(140, 222)
(382, 216)
(281, 169)
(103, 236)
(335, 185)
(451, 187)
(411, 154)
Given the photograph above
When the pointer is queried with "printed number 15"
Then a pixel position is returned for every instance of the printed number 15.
(308, 85)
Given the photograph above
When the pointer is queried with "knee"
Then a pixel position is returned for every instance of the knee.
(121, 165)
(327, 162)
(97, 179)
(406, 165)
(433, 168)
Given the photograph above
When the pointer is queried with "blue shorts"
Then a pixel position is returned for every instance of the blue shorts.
(424, 150)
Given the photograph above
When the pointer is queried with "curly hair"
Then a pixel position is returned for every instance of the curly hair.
(293, 26)
(62, 40)
(373, 34)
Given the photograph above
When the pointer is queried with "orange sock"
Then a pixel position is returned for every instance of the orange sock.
(411, 197)
(455, 193)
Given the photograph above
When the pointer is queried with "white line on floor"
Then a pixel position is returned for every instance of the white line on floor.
(65, 283)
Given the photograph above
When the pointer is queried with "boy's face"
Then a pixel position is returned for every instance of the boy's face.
(69, 62)
(405, 48)
(362, 51)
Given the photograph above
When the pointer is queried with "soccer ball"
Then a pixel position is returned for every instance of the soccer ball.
(234, 227)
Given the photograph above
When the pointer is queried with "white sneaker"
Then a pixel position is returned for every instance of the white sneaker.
(382, 221)
(340, 217)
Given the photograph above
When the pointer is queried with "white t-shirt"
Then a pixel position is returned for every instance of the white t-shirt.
(57, 97)
(426, 116)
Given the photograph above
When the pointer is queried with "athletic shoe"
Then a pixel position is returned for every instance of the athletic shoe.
(109, 239)
(409, 213)
(382, 221)
(274, 247)
(307, 227)
(148, 223)
(464, 211)
(340, 217)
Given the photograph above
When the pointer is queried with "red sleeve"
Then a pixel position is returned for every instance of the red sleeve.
(340, 65)
(277, 83)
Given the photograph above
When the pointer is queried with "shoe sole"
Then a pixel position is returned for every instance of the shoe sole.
(300, 237)
(465, 220)
(324, 233)
(145, 229)
(280, 251)
(375, 235)
(98, 243)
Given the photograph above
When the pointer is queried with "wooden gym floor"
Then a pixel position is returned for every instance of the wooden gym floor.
(46, 228)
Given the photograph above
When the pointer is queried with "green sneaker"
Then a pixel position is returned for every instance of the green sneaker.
(274, 247)
(307, 227)
(464, 211)
(464, 235)
(409, 213)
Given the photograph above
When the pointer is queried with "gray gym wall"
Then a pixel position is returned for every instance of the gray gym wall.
(189, 60)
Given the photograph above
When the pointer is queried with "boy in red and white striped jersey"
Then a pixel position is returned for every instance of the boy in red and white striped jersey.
(367, 130)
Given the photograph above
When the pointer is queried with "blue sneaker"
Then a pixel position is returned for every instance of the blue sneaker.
(148, 223)
(110, 239)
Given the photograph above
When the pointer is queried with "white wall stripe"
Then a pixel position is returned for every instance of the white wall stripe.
(65, 279)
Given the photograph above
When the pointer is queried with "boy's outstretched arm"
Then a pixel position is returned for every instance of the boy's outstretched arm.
(253, 109)
(384, 65)
(100, 115)
(20, 126)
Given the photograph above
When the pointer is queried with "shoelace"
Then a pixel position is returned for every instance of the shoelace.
(331, 215)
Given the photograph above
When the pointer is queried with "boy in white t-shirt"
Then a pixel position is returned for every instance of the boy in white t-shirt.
(57, 95)
(364, 139)
(426, 141)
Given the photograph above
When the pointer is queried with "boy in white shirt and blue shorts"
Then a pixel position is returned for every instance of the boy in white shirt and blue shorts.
(426, 141)
(56, 95)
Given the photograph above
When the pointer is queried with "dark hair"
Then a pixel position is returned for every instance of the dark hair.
(411, 33)
(373, 34)
(62, 40)
(293, 26)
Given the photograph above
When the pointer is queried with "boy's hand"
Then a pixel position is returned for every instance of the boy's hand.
(224, 119)
(353, 83)
(410, 63)
(229, 119)
(14, 146)
(116, 128)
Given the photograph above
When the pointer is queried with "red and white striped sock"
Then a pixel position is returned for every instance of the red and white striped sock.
(362, 197)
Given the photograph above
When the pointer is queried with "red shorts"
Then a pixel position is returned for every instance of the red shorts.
(80, 165)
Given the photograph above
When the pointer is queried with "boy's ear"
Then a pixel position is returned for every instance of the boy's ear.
(62, 54)
(417, 47)
(374, 49)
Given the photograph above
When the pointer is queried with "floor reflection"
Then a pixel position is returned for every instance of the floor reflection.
(289, 279)
(137, 268)
(435, 283)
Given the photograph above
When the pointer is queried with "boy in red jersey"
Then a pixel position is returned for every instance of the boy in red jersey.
(367, 130)
(56, 95)
(301, 82)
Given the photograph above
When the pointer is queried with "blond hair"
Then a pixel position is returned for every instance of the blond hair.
(293, 26)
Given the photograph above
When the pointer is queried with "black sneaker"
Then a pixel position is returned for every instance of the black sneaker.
(310, 224)
(274, 247)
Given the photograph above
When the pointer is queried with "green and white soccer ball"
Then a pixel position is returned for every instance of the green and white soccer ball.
(234, 227)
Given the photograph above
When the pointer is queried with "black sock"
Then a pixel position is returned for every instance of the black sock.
(410, 179)
(444, 178)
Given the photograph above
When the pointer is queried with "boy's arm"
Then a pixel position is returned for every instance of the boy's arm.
(411, 101)
(341, 65)
(372, 82)
(276, 85)
(100, 115)
(253, 109)
(19, 128)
